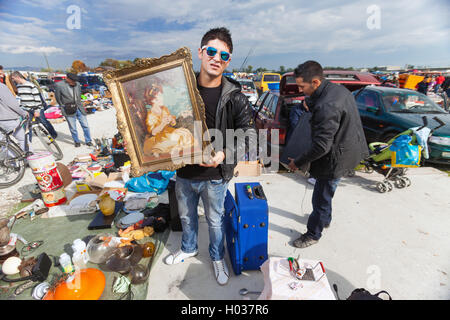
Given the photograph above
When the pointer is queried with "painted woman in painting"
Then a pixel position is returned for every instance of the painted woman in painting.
(160, 124)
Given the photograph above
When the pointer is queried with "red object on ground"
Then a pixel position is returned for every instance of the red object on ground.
(50, 182)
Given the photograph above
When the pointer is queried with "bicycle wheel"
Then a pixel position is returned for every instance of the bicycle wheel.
(12, 165)
(48, 142)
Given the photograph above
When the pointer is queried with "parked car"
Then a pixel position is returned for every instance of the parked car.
(90, 82)
(262, 81)
(58, 78)
(248, 88)
(385, 112)
(47, 84)
(273, 107)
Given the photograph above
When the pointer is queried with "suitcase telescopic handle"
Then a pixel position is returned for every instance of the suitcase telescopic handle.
(259, 193)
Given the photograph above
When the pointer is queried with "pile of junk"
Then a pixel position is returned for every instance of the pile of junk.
(92, 102)
(125, 219)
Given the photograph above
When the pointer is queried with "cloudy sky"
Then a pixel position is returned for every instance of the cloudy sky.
(334, 32)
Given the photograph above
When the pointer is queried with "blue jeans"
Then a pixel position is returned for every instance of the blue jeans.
(324, 190)
(213, 194)
(72, 121)
(47, 124)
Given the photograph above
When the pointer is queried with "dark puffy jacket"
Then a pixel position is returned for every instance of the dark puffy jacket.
(338, 142)
(234, 112)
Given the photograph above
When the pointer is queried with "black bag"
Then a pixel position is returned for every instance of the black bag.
(71, 108)
(363, 294)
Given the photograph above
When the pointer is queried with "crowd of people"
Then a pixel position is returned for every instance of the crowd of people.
(21, 97)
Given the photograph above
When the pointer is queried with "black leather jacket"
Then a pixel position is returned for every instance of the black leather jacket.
(338, 142)
(234, 112)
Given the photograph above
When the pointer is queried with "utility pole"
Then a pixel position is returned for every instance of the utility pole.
(48, 66)
(245, 60)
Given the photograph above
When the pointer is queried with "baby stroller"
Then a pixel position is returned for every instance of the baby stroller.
(391, 159)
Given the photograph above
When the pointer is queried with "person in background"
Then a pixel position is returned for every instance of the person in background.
(11, 114)
(338, 143)
(68, 97)
(439, 81)
(422, 86)
(446, 86)
(42, 117)
(2, 75)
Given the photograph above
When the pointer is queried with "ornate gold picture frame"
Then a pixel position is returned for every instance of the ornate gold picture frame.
(160, 112)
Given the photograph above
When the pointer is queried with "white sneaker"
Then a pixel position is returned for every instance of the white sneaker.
(221, 272)
(312, 181)
(179, 256)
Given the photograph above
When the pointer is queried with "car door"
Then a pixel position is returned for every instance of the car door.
(258, 108)
(263, 116)
(371, 113)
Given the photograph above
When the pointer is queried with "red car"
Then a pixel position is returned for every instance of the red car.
(273, 107)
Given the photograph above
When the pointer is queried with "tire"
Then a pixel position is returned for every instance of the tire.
(400, 183)
(48, 142)
(5, 166)
(381, 187)
(407, 181)
(368, 169)
(389, 186)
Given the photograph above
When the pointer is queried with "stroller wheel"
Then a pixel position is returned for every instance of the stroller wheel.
(407, 181)
(369, 169)
(400, 183)
(381, 187)
(389, 186)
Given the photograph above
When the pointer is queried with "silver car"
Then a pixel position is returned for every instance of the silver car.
(249, 89)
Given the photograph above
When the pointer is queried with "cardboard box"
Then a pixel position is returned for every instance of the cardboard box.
(99, 180)
(247, 169)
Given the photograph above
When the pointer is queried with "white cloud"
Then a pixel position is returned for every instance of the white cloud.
(47, 4)
(19, 49)
(270, 27)
(274, 27)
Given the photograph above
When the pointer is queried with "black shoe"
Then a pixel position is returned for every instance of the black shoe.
(77, 144)
(89, 144)
(304, 241)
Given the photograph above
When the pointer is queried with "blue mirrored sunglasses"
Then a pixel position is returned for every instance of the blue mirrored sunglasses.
(211, 51)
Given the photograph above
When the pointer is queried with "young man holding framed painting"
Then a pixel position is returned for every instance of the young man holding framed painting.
(225, 108)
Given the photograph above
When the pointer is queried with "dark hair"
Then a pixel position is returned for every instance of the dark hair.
(309, 70)
(18, 75)
(223, 34)
(1, 67)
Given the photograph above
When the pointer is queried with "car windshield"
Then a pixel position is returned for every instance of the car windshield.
(271, 77)
(82, 80)
(409, 102)
(290, 80)
(247, 85)
(95, 80)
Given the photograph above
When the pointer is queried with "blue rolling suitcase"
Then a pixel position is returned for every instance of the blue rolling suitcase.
(246, 227)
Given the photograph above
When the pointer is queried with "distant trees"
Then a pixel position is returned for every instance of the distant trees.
(117, 64)
(79, 66)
